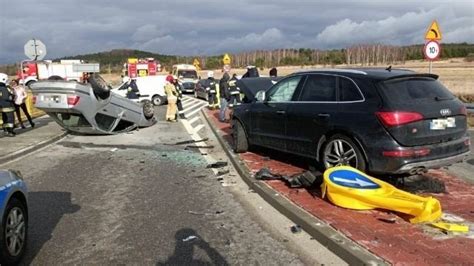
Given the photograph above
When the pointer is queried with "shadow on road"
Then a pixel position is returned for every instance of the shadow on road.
(46, 208)
(184, 250)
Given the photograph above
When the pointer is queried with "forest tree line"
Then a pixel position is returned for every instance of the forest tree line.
(362, 55)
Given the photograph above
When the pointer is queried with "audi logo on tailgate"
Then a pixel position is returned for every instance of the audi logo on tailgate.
(445, 112)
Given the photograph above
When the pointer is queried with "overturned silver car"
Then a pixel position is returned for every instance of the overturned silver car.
(90, 108)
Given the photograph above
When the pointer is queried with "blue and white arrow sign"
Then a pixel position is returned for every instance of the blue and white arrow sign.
(347, 178)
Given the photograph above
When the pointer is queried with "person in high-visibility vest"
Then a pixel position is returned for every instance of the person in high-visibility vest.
(211, 90)
(171, 94)
(7, 108)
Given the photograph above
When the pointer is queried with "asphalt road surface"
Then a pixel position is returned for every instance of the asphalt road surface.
(140, 199)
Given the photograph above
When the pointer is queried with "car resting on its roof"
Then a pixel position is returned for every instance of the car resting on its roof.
(91, 108)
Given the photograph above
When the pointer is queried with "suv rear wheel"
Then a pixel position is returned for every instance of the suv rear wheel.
(341, 150)
(240, 142)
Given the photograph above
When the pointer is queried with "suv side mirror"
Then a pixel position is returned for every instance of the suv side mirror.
(260, 96)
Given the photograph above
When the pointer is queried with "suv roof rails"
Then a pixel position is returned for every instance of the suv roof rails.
(340, 70)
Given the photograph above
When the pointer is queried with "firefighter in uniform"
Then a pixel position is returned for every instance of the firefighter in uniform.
(211, 90)
(234, 92)
(133, 92)
(7, 107)
(179, 104)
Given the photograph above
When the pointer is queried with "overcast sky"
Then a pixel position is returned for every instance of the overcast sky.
(208, 27)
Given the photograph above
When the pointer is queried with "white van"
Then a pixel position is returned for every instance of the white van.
(187, 77)
(151, 88)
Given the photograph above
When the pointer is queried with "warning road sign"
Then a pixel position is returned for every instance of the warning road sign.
(226, 60)
(433, 32)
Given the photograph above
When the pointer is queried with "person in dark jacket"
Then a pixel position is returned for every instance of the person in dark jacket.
(211, 90)
(273, 72)
(7, 108)
(252, 72)
(224, 95)
(234, 92)
(133, 92)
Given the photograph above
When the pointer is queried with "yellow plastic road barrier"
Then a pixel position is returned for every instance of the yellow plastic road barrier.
(350, 188)
(451, 227)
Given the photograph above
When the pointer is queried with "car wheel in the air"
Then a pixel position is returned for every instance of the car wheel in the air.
(14, 232)
(99, 86)
(342, 150)
(240, 141)
(148, 110)
(157, 100)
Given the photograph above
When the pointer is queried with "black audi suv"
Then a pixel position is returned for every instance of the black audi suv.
(383, 121)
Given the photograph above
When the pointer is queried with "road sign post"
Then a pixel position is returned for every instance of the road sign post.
(432, 48)
(35, 49)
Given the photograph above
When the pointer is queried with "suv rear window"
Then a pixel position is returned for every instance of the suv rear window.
(414, 89)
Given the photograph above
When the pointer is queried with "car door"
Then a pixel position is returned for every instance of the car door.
(268, 118)
(312, 115)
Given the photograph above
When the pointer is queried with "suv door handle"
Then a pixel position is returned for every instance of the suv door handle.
(280, 112)
(323, 115)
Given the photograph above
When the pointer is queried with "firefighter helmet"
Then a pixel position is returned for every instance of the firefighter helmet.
(3, 78)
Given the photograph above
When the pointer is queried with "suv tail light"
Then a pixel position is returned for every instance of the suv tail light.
(72, 100)
(464, 110)
(33, 99)
(397, 118)
(407, 153)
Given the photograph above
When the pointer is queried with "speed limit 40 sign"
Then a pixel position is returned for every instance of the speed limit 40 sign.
(432, 50)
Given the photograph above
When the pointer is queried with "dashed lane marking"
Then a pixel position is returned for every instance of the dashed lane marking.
(194, 119)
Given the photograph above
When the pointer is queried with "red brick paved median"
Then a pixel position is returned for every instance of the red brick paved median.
(399, 242)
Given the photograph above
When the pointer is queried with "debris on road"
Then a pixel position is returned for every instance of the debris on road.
(219, 164)
(451, 227)
(305, 179)
(114, 149)
(190, 238)
(198, 147)
(350, 188)
(295, 229)
(191, 141)
(390, 220)
(222, 172)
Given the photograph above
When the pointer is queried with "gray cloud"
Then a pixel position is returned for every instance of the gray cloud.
(188, 27)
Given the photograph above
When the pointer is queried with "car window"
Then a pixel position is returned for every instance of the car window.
(105, 122)
(284, 90)
(320, 88)
(415, 89)
(348, 91)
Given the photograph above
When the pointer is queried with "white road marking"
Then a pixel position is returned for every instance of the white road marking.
(192, 107)
(198, 127)
(186, 99)
(194, 112)
(196, 118)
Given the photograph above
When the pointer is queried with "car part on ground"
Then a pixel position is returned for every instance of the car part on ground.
(350, 188)
(91, 108)
(306, 179)
(395, 122)
(14, 213)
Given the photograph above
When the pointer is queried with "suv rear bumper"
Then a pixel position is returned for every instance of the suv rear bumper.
(437, 163)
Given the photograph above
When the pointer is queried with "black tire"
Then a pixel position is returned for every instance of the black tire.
(55, 78)
(157, 100)
(240, 141)
(6, 256)
(30, 82)
(148, 109)
(353, 158)
(99, 86)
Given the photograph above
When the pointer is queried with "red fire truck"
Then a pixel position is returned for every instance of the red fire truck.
(77, 70)
(141, 67)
